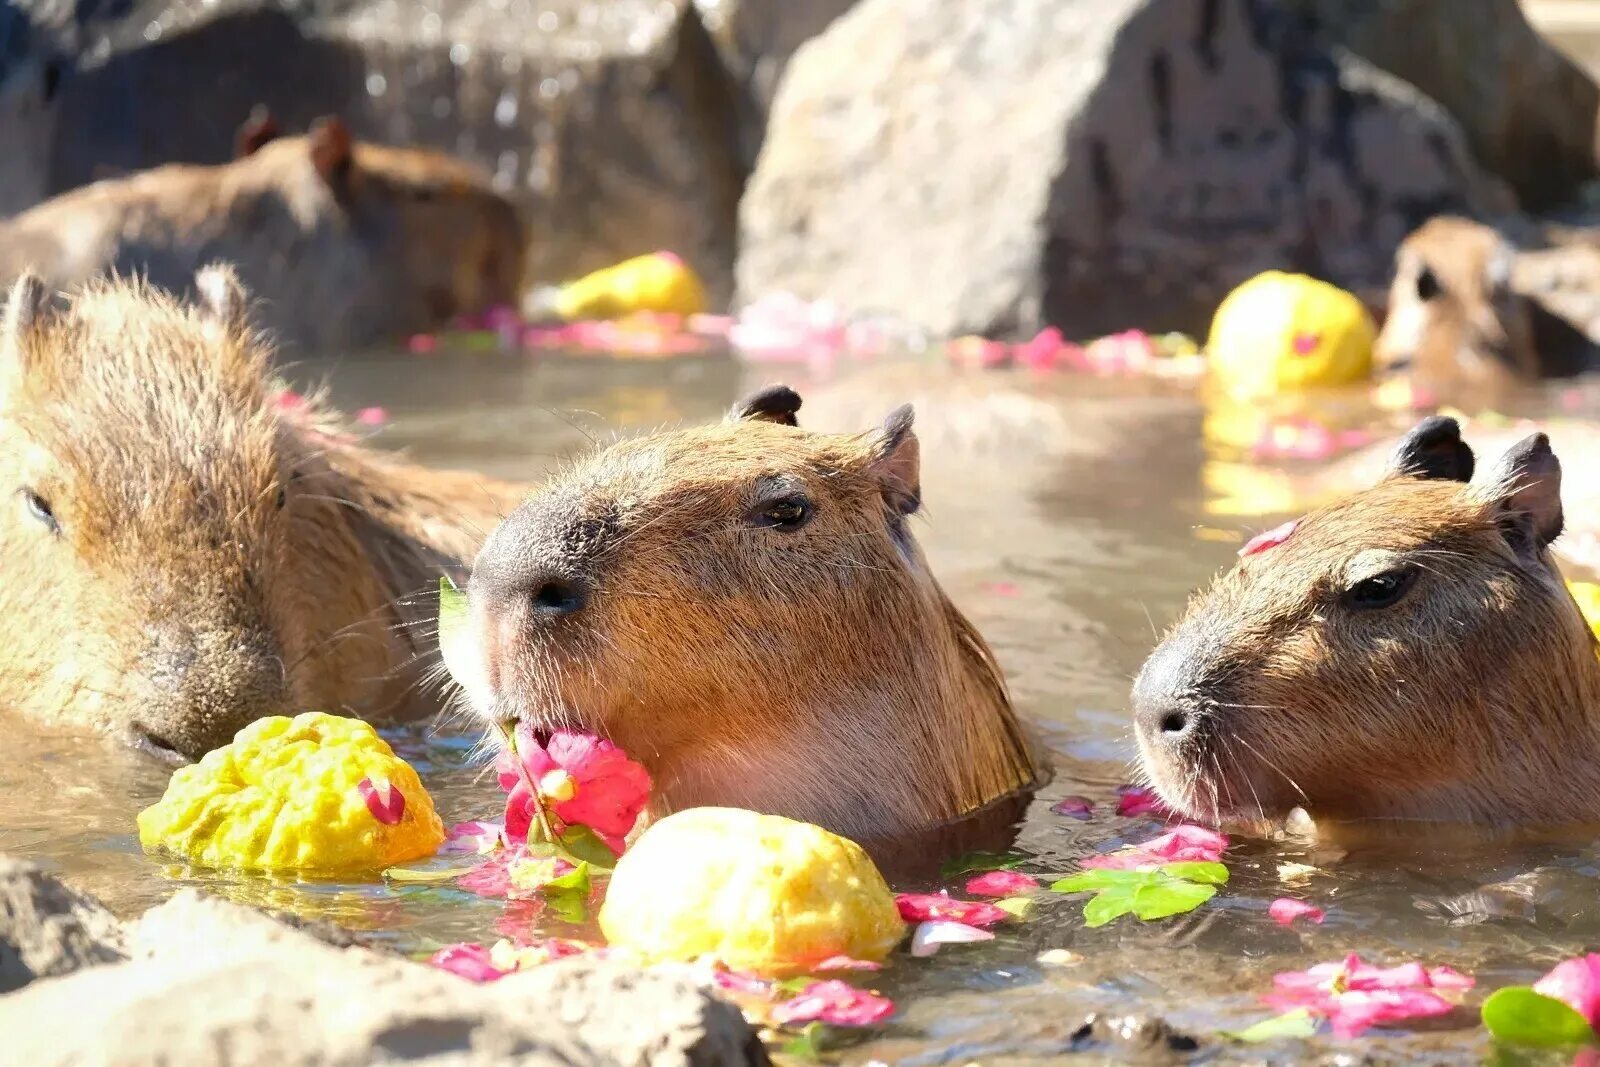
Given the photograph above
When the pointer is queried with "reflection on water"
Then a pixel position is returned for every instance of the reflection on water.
(1070, 518)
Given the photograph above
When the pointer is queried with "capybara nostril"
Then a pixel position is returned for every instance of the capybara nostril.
(1175, 722)
(560, 596)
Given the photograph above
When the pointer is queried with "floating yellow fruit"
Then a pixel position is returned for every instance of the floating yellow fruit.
(1283, 332)
(1587, 594)
(658, 282)
(757, 892)
(314, 793)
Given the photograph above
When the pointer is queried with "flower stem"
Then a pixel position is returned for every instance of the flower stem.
(539, 812)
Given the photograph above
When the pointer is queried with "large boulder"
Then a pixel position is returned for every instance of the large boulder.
(212, 982)
(614, 124)
(1528, 111)
(47, 929)
(985, 166)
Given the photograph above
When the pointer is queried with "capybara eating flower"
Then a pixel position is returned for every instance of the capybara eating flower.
(743, 608)
(346, 242)
(180, 559)
(1408, 653)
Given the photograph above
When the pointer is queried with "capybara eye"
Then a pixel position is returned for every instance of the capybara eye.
(786, 515)
(39, 508)
(1381, 590)
(1428, 285)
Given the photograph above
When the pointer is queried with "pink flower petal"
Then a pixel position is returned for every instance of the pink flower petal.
(1074, 807)
(929, 936)
(372, 416)
(469, 960)
(923, 907)
(422, 343)
(1306, 343)
(601, 788)
(836, 1003)
(1001, 884)
(1183, 844)
(1576, 983)
(1271, 539)
(1133, 800)
(846, 963)
(1285, 910)
(479, 838)
(384, 800)
(1354, 996)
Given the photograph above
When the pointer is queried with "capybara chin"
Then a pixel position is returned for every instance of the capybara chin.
(178, 557)
(1408, 653)
(743, 607)
(345, 242)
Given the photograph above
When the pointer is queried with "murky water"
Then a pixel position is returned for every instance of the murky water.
(1070, 518)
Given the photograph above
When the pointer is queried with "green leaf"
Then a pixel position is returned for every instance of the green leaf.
(807, 1044)
(452, 606)
(1108, 904)
(1297, 1023)
(574, 881)
(1519, 1016)
(1206, 873)
(978, 862)
(426, 876)
(581, 845)
(1099, 878)
(1170, 897)
(1017, 907)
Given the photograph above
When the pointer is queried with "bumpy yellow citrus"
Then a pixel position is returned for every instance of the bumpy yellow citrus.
(1587, 594)
(659, 281)
(757, 892)
(314, 793)
(1282, 332)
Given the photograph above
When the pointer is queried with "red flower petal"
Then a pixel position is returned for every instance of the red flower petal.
(836, 1003)
(1001, 884)
(1271, 539)
(922, 907)
(1135, 800)
(469, 960)
(1079, 808)
(1286, 910)
(1575, 983)
(384, 800)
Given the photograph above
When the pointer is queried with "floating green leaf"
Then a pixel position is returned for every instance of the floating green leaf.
(568, 895)
(574, 881)
(452, 608)
(1519, 1016)
(807, 1044)
(1150, 894)
(978, 862)
(581, 845)
(426, 876)
(1017, 907)
(1297, 1023)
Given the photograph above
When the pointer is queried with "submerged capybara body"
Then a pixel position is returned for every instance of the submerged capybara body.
(1408, 653)
(743, 607)
(346, 243)
(178, 557)
(1470, 312)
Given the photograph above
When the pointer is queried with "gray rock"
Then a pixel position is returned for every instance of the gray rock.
(48, 929)
(983, 166)
(1528, 111)
(212, 982)
(613, 124)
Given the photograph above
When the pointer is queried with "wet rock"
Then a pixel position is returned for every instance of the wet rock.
(613, 124)
(756, 39)
(979, 166)
(48, 929)
(1133, 1039)
(1528, 111)
(210, 979)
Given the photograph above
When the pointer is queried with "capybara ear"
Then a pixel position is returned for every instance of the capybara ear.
(775, 403)
(25, 306)
(254, 132)
(897, 461)
(223, 301)
(1433, 450)
(331, 149)
(1525, 485)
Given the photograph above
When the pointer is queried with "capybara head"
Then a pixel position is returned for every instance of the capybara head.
(743, 607)
(1454, 318)
(178, 560)
(1410, 652)
(440, 241)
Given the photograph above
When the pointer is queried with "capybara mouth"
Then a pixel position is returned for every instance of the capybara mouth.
(142, 740)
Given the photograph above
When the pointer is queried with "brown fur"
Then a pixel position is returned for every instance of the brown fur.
(819, 673)
(1474, 698)
(1467, 312)
(211, 562)
(347, 243)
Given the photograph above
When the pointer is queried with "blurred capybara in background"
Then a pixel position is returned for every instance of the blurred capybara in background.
(743, 607)
(1468, 310)
(347, 243)
(1408, 653)
(179, 558)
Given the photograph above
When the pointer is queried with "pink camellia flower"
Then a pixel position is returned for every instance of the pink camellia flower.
(1001, 884)
(1184, 844)
(1575, 983)
(836, 1003)
(583, 779)
(1074, 807)
(470, 960)
(924, 907)
(1286, 910)
(1135, 800)
(1354, 996)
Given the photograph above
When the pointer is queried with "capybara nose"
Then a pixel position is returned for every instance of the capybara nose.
(1165, 710)
(202, 686)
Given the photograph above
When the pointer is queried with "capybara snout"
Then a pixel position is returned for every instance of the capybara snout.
(743, 607)
(1411, 652)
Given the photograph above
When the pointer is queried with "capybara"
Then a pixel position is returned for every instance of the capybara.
(347, 243)
(178, 557)
(743, 607)
(1408, 653)
(1470, 311)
